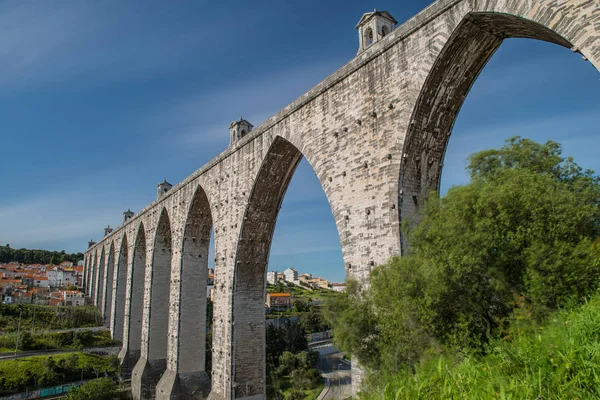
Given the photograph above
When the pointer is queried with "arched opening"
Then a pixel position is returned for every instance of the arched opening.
(369, 36)
(254, 246)
(384, 31)
(86, 273)
(134, 306)
(92, 285)
(187, 376)
(460, 62)
(99, 289)
(120, 287)
(108, 285)
(153, 360)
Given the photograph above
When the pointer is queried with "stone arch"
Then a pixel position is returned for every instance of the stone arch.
(466, 52)
(88, 274)
(153, 360)
(107, 291)
(134, 303)
(99, 279)
(120, 290)
(254, 243)
(92, 285)
(86, 270)
(186, 368)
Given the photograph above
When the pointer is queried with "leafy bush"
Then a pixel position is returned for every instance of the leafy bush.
(555, 360)
(47, 317)
(523, 235)
(98, 389)
(30, 372)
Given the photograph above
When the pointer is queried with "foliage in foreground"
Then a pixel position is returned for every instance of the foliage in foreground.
(98, 389)
(47, 317)
(521, 237)
(556, 360)
(39, 371)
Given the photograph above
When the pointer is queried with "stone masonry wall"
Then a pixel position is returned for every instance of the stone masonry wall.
(374, 132)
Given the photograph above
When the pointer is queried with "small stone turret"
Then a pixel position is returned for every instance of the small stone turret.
(107, 230)
(372, 27)
(91, 243)
(239, 129)
(163, 188)
(127, 215)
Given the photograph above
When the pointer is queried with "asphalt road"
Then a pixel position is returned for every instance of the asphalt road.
(337, 372)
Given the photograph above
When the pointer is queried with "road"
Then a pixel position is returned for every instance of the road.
(337, 372)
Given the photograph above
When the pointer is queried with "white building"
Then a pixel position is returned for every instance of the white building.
(338, 287)
(272, 277)
(41, 281)
(73, 298)
(58, 277)
(291, 275)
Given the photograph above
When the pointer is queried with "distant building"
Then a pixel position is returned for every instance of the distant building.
(73, 298)
(291, 275)
(279, 301)
(338, 287)
(272, 277)
(41, 281)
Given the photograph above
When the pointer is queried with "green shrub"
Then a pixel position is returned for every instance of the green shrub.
(29, 372)
(559, 359)
(98, 389)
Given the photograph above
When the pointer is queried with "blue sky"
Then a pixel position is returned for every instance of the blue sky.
(101, 100)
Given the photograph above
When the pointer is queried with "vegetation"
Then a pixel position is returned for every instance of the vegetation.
(307, 305)
(47, 317)
(98, 389)
(57, 340)
(291, 366)
(305, 293)
(25, 256)
(39, 371)
(555, 360)
(521, 239)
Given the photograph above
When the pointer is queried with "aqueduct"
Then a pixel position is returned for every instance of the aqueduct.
(374, 132)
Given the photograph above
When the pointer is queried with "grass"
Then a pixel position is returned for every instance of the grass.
(287, 388)
(30, 372)
(47, 317)
(559, 359)
(314, 393)
(57, 340)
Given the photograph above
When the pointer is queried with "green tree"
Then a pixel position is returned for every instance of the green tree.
(97, 389)
(526, 226)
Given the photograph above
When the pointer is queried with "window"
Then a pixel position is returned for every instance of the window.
(369, 36)
(384, 31)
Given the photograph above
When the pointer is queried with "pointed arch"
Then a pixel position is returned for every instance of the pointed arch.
(92, 288)
(194, 276)
(120, 289)
(107, 291)
(99, 279)
(153, 361)
(134, 303)
(466, 52)
(254, 244)
(159, 290)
